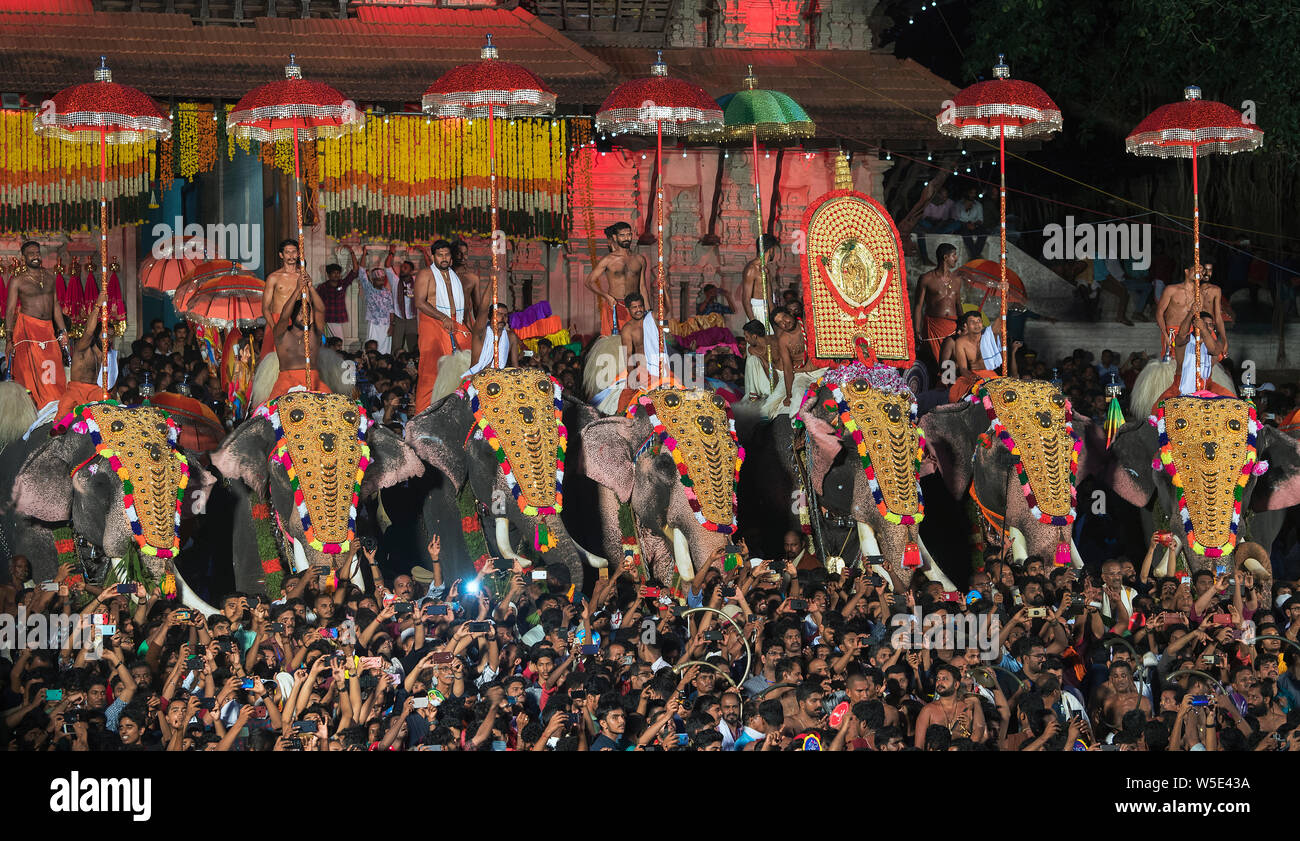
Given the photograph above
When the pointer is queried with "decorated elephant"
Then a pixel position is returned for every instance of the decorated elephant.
(865, 418)
(1206, 459)
(316, 456)
(1021, 450)
(508, 433)
(112, 481)
(674, 461)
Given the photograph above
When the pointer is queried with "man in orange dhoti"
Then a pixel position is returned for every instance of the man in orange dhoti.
(938, 300)
(622, 273)
(440, 301)
(289, 350)
(32, 313)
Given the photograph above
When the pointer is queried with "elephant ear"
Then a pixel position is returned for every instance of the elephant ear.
(609, 445)
(1128, 470)
(1279, 487)
(1094, 460)
(577, 415)
(391, 461)
(243, 455)
(826, 446)
(438, 435)
(199, 486)
(43, 487)
(951, 433)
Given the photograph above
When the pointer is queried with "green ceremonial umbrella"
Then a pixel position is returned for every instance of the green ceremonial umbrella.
(772, 117)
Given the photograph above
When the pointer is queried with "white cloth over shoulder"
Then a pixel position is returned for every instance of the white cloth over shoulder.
(485, 355)
(991, 348)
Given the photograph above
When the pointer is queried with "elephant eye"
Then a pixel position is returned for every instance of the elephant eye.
(544, 386)
(861, 385)
(350, 417)
(297, 415)
(672, 400)
(1234, 424)
(493, 389)
(118, 426)
(1181, 423)
(1009, 396)
(718, 401)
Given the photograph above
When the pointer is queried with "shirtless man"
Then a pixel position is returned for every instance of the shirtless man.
(1212, 346)
(791, 349)
(633, 334)
(963, 717)
(474, 286)
(1120, 695)
(758, 348)
(34, 325)
(751, 283)
(281, 283)
(938, 295)
(964, 352)
(626, 273)
(1175, 306)
(85, 384)
(289, 349)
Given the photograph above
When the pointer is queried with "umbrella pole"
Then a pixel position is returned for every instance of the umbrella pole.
(492, 181)
(1002, 213)
(1196, 270)
(306, 299)
(762, 263)
(103, 255)
(659, 241)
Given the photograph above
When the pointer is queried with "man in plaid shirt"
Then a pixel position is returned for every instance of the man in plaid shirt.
(333, 292)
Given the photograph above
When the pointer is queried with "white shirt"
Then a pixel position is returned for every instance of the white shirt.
(650, 341)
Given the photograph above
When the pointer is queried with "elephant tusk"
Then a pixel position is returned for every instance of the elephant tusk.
(868, 545)
(932, 570)
(1257, 568)
(503, 542)
(1161, 569)
(1075, 560)
(1019, 548)
(189, 598)
(299, 556)
(682, 555)
(595, 561)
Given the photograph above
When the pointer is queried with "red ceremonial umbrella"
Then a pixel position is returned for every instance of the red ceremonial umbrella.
(659, 104)
(165, 275)
(195, 277)
(1002, 107)
(1190, 129)
(294, 109)
(225, 301)
(489, 88)
(987, 275)
(106, 112)
(200, 429)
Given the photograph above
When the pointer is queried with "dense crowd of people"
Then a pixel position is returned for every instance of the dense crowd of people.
(762, 656)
